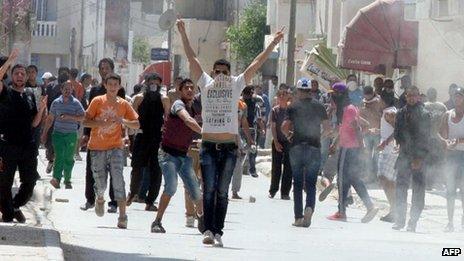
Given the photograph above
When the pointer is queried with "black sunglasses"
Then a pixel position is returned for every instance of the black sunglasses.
(220, 71)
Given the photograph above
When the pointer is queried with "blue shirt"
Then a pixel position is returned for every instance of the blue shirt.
(356, 97)
(72, 107)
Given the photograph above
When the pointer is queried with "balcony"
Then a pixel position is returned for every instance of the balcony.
(45, 29)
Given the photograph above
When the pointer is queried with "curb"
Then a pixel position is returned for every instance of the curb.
(53, 244)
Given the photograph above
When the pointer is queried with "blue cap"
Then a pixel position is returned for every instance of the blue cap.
(304, 84)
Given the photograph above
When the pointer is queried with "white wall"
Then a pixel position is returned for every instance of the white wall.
(206, 38)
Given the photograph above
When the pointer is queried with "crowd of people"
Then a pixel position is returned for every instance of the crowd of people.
(205, 128)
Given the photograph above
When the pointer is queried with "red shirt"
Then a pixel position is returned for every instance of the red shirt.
(348, 137)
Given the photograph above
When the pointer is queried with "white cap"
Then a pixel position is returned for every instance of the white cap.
(304, 84)
(47, 75)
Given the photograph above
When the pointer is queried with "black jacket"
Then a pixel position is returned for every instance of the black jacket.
(151, 115)
(412, 132)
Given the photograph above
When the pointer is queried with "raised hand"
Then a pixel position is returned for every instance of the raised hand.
(180, 25)
(279, 36)
(8, 63)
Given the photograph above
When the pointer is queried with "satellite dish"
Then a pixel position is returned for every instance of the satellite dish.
(167, 20)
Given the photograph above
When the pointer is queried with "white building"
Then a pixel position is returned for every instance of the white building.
(68, 33)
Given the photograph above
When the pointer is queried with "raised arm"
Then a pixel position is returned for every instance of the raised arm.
(195, 67)
(6, 65)
(262, 57)
(189, 121)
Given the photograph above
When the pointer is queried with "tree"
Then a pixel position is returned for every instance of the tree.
(247, 38)
(141, 50)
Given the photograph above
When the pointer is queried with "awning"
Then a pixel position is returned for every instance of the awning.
(378, 37)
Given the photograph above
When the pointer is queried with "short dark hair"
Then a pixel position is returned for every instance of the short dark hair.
(63, 69)
(18, 66)
(32, 67)
(138, 88)
(179, 78)
(85, 76)
(368, 90)
(113, 76)
(106, 60)
(351, 76)
(152, 76)
(248, 90)
(413, 88)
(390, 81)
(222, 62)
(63, 77)
(184, 82)
(73, 73)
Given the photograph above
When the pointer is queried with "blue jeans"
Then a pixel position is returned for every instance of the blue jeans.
(305, 161)
(349, 167)
(252, 156)
(145, 183)
(325, 145)
(171, 166)
(217, 168)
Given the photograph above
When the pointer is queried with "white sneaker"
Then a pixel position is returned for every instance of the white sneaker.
(190, 221)
(208, 238)
(218, 241)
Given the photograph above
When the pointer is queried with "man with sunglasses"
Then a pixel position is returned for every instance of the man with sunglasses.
(220, 95)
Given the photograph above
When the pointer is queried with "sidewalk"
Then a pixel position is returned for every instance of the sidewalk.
(36, 239)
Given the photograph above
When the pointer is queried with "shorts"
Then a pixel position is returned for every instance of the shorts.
(387, 165)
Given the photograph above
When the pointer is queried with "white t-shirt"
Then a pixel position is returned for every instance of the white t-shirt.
(219, 101)
(386, 129)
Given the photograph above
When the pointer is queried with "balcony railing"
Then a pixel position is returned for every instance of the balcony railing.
(45, 29)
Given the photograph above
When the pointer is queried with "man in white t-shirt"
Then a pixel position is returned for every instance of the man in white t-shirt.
(220, 94)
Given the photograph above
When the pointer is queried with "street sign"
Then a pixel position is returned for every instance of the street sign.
(159, 54)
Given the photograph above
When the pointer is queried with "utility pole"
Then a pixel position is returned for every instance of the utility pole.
(290, 79)
(81, 45)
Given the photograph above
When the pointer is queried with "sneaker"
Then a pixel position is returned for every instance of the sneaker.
(49, 168)
(78, 157)
(398, 226)
(130, 198)
(55, 183)
(87, 205)
(201, 223)
(139, 199)
(112, 209)
(326, 192)
(19, 216)
(388, 218)
(285, 197)
(449, 228)
(190, 221)
(67, 185)
(271, 195)
(254, 175)
(208, 238)
(100, 207)
(218, 241)
(337, 217)
(149, 207)
(308, 214)
(156, 227)
(235, 195)
(370, 215)
(122, 222)
(298, 222)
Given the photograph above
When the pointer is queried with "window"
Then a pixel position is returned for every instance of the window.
(460, 6)
(410, 9)
(443, 8)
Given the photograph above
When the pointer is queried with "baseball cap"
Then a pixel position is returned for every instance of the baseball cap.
(303, 83)
(459, 91)
(47, 75)
(339, 87)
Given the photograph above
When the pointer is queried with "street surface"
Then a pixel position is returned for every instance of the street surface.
(254, 231)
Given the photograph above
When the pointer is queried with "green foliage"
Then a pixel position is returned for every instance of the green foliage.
(141, 50)
(247, 38)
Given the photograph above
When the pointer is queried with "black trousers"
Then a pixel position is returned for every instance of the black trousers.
(280, 159)
(23, 159)
(145, 157)
(90, 182)
(403, 181)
